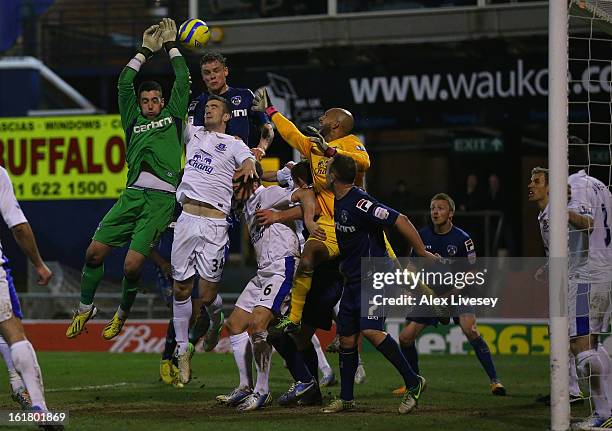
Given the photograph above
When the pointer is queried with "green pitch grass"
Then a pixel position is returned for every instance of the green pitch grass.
(105, 391)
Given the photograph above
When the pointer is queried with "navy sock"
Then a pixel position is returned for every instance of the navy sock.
(412, 356)
(349, 360)
(484, 356)
(170, 342)
(285, 347)
(390, 349)
(309, 355)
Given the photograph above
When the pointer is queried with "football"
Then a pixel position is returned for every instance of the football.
(194, 33)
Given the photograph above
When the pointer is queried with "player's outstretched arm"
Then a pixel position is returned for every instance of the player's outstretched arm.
(410, 234)
(128, 106)
(179, 98)
(268, 217)
(288, 131)
(267, 135)
(308, 202)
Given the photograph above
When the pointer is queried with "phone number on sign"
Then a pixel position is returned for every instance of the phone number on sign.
(57, 189)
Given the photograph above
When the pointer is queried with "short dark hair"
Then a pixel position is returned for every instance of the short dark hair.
(150, 86)
(344, 168)
(226, 106)
(302, 171)
(210, 56)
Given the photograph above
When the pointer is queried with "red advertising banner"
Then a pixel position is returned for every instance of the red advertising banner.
(137, 336)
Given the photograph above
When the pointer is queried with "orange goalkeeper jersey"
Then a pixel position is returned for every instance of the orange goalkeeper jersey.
(348, 145)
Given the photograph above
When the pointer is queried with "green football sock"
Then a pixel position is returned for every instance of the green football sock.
(90, 279)
(128, 294)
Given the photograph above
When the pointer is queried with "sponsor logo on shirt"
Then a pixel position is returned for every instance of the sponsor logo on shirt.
(344, 229)
(201, 162)
(239, 113)
(364, 205)
(236, 100)
(381, 213)
(157, 124)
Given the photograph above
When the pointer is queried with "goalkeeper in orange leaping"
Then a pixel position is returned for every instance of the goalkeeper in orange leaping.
(333, 137)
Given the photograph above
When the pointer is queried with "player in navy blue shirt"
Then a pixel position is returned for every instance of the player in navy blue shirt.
(214, 73)
(451, 243)
(359, 220)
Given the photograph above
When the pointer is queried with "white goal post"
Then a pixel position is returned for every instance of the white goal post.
(558, 165)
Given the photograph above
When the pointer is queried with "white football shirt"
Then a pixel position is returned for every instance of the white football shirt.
(9, 207)
(591, 197)
(210, 161)
(278, 240)
(577, 244)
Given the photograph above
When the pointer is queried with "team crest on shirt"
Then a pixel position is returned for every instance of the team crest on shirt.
(451, 249)
(545, 225)
(221, 146)
(236, 100)
(344, 216)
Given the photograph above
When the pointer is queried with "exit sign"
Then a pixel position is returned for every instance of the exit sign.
(478, 145)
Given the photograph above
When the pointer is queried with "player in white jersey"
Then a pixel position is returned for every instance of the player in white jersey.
(588, 309)
(21, 351)
(264, 297)
(201, 232)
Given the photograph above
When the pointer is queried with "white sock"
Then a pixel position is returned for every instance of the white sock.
(574, 388)
(84, 307)
(243, 355)
(181, 311)
(24, 358)
(321, 359)
(14, 378)
(591, 366)
(605, 357)
(214, 311)
(262, 353)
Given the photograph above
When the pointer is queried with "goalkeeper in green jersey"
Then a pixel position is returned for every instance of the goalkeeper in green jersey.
(153, 136)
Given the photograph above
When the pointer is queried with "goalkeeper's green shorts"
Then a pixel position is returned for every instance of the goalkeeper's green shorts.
(139, 217)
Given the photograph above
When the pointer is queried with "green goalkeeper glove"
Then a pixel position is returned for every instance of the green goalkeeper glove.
(262, 103)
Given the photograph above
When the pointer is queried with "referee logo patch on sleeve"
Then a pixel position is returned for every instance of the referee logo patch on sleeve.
(381, 213)
(469, 245)
(364, 205)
